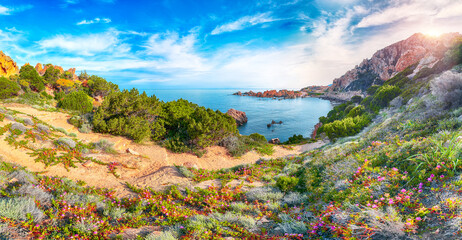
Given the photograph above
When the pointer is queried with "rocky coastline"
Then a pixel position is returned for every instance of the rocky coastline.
(281, 94)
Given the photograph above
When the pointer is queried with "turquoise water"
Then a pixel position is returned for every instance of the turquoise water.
(298, 115)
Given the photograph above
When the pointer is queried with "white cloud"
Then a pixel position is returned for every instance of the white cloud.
(4, 10)
(243, 23)
(413, 10)
(85, 44)
(95, 20)
(174, 52)
(10, 10)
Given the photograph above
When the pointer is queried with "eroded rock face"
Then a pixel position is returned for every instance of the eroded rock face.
(7, 66)
(239, 116)
(384, 64)
(42, 69)
(315, 131)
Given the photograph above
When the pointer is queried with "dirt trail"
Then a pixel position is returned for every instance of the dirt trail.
(152, 168)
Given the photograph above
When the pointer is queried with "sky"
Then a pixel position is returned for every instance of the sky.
(239, 44)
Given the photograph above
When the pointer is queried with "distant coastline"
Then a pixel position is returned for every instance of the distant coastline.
(308, 92)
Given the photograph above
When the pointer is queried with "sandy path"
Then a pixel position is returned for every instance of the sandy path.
(153, 167)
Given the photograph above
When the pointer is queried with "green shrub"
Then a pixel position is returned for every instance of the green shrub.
(356, 111)
(286, 183)
(295, 139)
(356, 99)
(98, 86)
(8, 88)
(78, 101)
(383, 96)
(30, 75)
(346, 127)
(51, 75)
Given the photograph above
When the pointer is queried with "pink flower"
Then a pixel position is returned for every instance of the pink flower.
(418, 218)
(403, 190)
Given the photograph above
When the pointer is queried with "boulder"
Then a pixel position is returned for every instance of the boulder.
(131, 151)
(43, 128)
(28, 121)
(274, 141)
(239, 116)
(66, 142)
(18, 126)
(9, 117)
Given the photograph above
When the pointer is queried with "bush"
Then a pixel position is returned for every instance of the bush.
(448, 89)
(8, 88)
(30, 75)
(98, 86)
(295, 139)
(346, 127)
(129, 114)
(51, 75)
(383, 96)
(78, 101)
(286, 183)
(356, 99)
(19, 208)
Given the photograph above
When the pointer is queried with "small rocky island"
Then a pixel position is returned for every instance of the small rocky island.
(239, 116)
(281, 94)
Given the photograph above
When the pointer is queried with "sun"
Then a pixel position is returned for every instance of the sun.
(432, 32)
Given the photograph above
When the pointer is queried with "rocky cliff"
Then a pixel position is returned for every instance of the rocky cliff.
(7, 65)
(42, 69)
(425, 51)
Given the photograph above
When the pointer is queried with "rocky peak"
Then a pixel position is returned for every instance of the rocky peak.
(7, 66)
(418, 49)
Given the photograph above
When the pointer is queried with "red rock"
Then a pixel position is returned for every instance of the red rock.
(315, 131)
(393, 59)
(274, 94)
(274, 141)
(239, 116)
(7, 66)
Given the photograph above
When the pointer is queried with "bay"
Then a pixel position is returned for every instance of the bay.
(298, 115)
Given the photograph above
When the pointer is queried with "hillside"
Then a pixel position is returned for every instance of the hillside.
(392, 169)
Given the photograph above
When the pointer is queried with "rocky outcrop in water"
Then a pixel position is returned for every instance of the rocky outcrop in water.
(425, 51)
(286, 94)
(239, 116)
(7, 66)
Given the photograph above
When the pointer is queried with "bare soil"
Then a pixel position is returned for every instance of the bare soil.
(153, 167)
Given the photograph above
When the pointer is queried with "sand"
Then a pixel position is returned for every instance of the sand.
(154, 167)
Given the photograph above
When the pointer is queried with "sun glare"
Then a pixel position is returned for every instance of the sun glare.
(432, 32)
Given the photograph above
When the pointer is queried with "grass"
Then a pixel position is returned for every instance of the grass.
(401, 178)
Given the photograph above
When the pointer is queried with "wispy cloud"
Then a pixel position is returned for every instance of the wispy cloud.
(411, 11)
(95, 20)
(244, 22)
(175, 52)
(89, 44)
(11, 10)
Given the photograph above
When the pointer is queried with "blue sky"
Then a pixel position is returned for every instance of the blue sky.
(161, 44)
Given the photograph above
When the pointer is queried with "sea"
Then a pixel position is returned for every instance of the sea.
(298, 116)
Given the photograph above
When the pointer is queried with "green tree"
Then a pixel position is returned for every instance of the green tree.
(78, 101)
(30, 75)
(51, 76)
(8, 88)
(98, 86)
